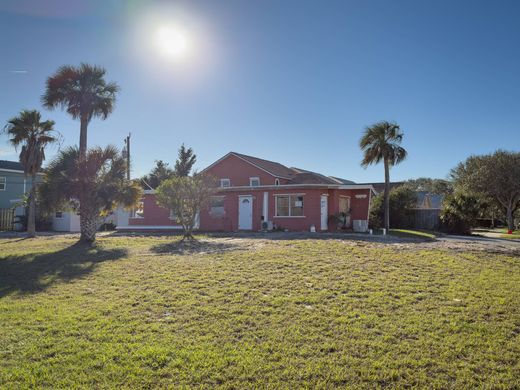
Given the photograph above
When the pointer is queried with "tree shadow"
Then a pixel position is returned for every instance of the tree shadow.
(33, 273)
(189, 247)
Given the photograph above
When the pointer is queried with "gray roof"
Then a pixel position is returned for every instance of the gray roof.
(12, 165)
(425, 200)
(274, 168)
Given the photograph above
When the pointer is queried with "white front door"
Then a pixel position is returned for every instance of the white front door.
(324, 211)
(245, 212)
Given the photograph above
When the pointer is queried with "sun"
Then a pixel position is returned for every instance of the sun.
(171, 42)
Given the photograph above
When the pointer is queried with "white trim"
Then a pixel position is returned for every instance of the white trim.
(369, 204)
(254, 178)
(277, 182)
(289, 186)
(18, 171)
(243, 159)
(5, 183)
(265, 206)
(148, 227)
(223, 180)
(56, 212)
(148, 192)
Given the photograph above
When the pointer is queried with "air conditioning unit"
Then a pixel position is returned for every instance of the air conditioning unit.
(360, 225)
(267, 225)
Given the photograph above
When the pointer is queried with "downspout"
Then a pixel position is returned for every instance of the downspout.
(369, 204)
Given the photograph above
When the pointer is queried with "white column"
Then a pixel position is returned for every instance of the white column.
(266, 206)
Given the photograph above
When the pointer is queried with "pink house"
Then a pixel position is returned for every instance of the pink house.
(257, 194)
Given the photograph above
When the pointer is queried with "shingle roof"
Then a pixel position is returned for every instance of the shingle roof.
(274, 168)
(307, 177)
(12, 165)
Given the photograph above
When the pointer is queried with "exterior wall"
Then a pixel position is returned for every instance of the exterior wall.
(62, 224)
(154, 215)
(239, 172)
(14, 187)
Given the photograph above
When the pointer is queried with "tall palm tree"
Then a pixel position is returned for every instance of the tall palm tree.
(28, 131)
(381, 141)
(101, 176)
(84, 93)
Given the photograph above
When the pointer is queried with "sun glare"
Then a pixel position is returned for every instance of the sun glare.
(172, 43)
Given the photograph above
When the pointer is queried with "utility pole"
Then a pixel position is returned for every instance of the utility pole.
(127, 155)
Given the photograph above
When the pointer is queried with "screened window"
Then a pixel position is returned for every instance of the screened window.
(138, 212)
(3, 183)
(254, 181)
(225, 183)
(344, 204)
(289, 205)
(217, 205)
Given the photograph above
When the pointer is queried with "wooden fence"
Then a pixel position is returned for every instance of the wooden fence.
(6, 219)
(427, 219)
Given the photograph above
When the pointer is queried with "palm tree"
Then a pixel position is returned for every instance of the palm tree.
(99, 182)
(381, 141)
(28, 130)
(84, 93)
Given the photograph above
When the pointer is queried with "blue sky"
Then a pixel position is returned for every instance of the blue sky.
(291, 81)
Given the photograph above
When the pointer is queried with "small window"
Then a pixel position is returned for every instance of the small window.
(58, 214)
(276, 182)
(3, 183)
(225, 183)
(138, 212)
(289, 206)
(254, 181)
(217, 206)
(173, 216)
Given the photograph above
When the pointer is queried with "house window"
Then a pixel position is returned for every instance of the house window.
(58, 214)
(289, 205)
(344, 204)
(3, 183)
(225, 183)
(173, 216)
(138, 212)
(276, 182)
(217, 206)
(254, 181)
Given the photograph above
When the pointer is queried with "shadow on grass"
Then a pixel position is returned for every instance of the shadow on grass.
(188, 247)
(34, 273)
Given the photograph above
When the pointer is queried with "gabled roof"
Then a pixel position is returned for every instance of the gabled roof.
(274, 168)
(11, 165)
(295, 176)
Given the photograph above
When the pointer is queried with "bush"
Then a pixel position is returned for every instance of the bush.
(403, 200)
(459, 213)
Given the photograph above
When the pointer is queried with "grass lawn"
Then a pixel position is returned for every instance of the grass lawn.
(148, 312)
(514, 236)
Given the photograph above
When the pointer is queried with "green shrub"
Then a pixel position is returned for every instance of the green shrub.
(459, 213)
(403, 200)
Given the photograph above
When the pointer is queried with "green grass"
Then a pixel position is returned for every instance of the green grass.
(412, 234)
(514, 236)
(147, 312)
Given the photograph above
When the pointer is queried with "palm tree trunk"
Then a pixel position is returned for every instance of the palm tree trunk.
(31, 217)
(387, 195)
(88, 224)
(83, 137)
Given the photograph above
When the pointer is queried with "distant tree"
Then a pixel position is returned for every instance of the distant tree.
(185, 161)
(403, 201)
(185, 196)
(33, 135)
(157, 175)
(432, 186)
(492, 176)
(459, 213)
(101, 178)
(381, 142)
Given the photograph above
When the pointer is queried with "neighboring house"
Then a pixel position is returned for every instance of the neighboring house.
(13, 184)
(257, 194)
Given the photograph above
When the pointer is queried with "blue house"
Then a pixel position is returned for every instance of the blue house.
(13, 184)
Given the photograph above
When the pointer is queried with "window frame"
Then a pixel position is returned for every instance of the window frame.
(223, 180)
(277, 182)
(211, 207)
(253, 178)
(3, 183)
(276, 196)
(133, 214)
(56, 215)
